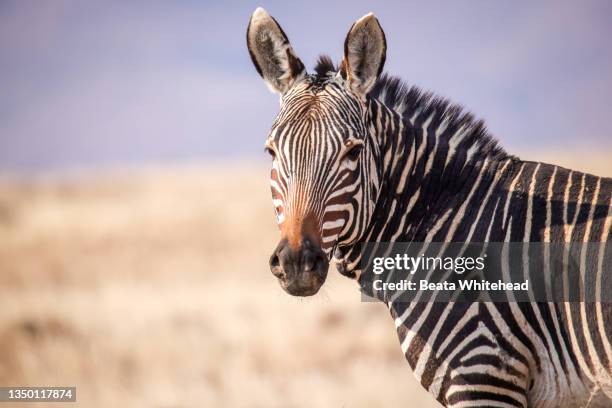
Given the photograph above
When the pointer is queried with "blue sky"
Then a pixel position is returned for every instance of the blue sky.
(88, 84)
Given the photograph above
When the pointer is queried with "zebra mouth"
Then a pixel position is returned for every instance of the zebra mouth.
(304, 284)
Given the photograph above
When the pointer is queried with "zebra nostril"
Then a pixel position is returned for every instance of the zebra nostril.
(316, 261)
(275, 265)
(274, 261)
(312, 257)
(321, 264)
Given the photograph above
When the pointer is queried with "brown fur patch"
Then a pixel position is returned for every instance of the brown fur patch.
(295, 228)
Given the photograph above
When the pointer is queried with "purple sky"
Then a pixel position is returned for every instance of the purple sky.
(106, 83)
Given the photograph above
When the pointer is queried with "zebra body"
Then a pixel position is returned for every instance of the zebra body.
(359, 157)
(508, 354)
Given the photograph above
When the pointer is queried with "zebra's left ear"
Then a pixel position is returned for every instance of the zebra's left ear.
(272, 53)
(365, 50)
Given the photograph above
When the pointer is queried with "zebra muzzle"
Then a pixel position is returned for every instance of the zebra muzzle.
(300, 271)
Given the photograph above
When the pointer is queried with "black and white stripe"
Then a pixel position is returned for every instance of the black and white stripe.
(445, 180)
(362, 158)
(433, 174)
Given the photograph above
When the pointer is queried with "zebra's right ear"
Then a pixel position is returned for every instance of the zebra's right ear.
(272, 53)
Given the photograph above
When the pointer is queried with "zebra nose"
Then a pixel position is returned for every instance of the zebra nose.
(301, 271)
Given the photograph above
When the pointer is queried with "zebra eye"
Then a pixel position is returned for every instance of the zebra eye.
(270, 152)
(353, 153)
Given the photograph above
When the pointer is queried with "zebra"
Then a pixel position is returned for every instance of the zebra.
(358, 156)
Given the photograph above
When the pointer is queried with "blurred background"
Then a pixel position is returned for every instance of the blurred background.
(135, 217)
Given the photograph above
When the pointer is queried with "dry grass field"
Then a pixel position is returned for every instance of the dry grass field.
(151, 289)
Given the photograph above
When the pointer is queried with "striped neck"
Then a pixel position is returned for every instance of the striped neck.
(430, 160)
(429, 157)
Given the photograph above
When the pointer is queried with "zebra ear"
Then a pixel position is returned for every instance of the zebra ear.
(365, 50)
(272, 54)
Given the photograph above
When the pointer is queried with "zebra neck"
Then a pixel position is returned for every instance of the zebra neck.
(428, 162)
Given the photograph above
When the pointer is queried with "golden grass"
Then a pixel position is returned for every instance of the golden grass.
(152, 290)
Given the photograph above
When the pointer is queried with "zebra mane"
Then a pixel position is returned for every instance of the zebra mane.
(411, 102)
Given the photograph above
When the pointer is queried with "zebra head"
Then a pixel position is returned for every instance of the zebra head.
(324, 176)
